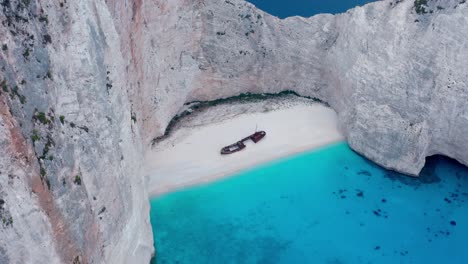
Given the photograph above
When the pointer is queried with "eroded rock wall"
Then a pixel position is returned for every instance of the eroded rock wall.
(86, 85)
(78, 195)
(395, 71)
(404, 80)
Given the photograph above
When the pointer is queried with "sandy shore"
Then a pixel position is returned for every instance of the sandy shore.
(191, 155)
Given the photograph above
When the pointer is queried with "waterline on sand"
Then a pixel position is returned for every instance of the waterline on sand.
(329, 205)
(191, 155)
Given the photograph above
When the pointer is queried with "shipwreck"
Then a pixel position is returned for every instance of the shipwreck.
(239, 145)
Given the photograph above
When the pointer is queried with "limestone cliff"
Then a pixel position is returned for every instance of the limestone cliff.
(395, 71)
(70, 161)
(86, 85)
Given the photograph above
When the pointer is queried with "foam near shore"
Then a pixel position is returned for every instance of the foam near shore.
(191, 154)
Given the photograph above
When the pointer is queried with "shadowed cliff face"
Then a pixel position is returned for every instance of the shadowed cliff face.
(82, 196)
(86, 85)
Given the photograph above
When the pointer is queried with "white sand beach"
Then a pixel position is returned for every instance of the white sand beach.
(191, 154)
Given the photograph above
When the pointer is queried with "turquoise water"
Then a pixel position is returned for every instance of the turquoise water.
(306, 8)
(325, 206)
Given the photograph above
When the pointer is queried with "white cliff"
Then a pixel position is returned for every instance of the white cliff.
(79, 195)
(86, 85)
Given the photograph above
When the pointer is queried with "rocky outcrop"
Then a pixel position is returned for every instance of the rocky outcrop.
(404, 82)
(396, 75)
(71, 172)
(393, 70)
(86, 85)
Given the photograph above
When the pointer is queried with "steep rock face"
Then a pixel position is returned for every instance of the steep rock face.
(86, 85)
(71, 172)
(404, 80)
(394, 71)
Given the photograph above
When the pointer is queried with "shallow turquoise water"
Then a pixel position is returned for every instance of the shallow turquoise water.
(325, 206)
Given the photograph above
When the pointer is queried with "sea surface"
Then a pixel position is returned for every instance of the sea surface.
(325, 206)
(306, 8)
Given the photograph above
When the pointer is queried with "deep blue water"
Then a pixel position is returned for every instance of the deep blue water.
(325, 206)
(306, 8)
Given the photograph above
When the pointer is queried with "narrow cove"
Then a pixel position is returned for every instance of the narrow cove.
(327, 205)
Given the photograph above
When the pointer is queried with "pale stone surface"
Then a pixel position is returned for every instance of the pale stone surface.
(80, 195)
(118, 71)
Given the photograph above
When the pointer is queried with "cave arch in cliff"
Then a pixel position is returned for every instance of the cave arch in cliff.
(438, 167)
(195, 106)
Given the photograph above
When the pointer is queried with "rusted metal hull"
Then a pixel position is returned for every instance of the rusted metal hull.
(233, 148)
(255, 137)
